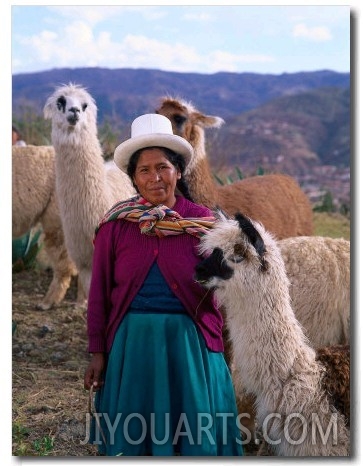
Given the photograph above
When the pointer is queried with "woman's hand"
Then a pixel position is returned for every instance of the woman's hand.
(94, 372)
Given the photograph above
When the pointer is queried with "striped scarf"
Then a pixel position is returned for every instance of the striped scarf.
(157, 220)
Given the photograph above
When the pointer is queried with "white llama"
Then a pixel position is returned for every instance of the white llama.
(272, 356)
(275, 200)
(84, 187)
(34, 201)
(318, 269)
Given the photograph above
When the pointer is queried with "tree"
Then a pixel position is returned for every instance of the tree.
(327, 203)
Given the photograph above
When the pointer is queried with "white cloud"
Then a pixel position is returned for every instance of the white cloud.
(78, 45)
(124, 36)
(317, 34)
(142, 51)
(98, 14)
(91, 14)
(199, 17)
(44, 44)
(219, 60)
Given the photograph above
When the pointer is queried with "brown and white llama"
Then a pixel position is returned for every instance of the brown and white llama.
(318, 270)
(85, 187)
(275, 200)
(273, 358)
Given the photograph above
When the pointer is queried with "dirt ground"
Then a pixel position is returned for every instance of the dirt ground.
(49, 358)
(49, 355)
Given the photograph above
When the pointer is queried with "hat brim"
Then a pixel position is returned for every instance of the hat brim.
(124, 151)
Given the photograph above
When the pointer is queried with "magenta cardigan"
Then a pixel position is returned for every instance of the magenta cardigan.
(121, 261)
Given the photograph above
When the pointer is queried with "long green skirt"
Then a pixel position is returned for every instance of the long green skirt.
(165, 393)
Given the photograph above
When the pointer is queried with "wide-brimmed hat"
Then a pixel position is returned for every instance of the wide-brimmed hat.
(151, 130)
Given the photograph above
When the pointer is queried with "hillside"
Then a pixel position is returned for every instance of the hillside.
(292, 134)
(294, 123)
(125, 93)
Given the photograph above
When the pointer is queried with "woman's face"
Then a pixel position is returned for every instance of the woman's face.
(156, 177)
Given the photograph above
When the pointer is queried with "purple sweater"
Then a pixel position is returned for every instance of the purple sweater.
(121, 261)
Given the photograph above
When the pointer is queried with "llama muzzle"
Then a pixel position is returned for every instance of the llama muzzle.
(212, 268)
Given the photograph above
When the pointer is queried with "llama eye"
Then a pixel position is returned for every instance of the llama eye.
(238, 249)
(84, 106)
(61, 103)
(238, 253)
(179, 120)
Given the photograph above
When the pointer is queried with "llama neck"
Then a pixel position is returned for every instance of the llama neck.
(198, 174)
(267, 340)
(78, 150)
(201, 185)
(80, 172)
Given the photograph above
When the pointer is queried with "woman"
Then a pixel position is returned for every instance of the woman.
(157, 365)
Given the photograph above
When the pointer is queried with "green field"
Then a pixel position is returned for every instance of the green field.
(331, 224)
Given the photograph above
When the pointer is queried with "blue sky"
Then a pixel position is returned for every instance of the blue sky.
(204, 38)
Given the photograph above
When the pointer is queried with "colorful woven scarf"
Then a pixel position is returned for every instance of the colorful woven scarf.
(157, 220)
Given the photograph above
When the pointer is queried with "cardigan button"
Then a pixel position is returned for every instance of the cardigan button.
(174, 286)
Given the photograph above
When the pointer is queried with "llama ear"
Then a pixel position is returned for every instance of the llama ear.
(210, 121)
(253, 235)
(47, 110)
(220, 214)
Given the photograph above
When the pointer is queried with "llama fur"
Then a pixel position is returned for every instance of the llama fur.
(273, 357)
(275, 200)
(85, 188)
(34, 202)
(321, 304)
(318, 269)
(336, 379)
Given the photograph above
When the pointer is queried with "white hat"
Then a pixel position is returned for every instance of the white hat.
(151, 130)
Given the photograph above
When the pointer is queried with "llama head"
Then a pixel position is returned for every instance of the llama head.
(233, 246)
(72, 110)
(188, 122)
(185, 118)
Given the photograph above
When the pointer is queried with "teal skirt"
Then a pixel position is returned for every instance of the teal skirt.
(165, 393)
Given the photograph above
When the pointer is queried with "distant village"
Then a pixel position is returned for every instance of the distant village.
(328, 178)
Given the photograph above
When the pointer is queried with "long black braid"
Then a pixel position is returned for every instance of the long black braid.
(176, 159)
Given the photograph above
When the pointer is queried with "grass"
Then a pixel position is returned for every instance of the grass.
(20, 435)
(39, 447)
(333, 225)
(43, 446)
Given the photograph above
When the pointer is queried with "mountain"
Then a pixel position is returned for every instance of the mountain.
(295, 123)
(125, 93)
(290, 134)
